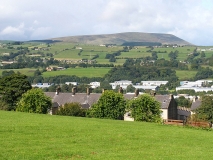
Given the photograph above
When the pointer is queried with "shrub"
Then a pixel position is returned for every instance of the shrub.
(72, 109)
(145, 108)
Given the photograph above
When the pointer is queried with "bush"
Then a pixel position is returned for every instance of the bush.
(4, 106)
(72, 109)
(145, 108)
(110, 105)
(34, 101)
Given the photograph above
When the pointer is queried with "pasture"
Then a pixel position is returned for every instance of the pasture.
(80, 72)
(34, 136)
(185, 75)
(26, 71)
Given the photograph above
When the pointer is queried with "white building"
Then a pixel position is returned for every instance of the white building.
(94, 84)
(197, 83)
(42, 85)
(196, 86)
(73, 83)
(153, 83)
(154, 88)
(122, 83)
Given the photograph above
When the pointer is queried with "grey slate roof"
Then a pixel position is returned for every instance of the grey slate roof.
(195, 105)
(87, 100)
(164, 100)
(81, 98)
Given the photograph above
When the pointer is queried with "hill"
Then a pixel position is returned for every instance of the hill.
(122, 38)
(34, 136)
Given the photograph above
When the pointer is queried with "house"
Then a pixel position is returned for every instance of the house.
(168, 107)
(168, 104)
(85, 99)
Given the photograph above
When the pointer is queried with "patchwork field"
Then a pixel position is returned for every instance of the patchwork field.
(34, 136)
(80, 72)
(26, 71)
(184, 75)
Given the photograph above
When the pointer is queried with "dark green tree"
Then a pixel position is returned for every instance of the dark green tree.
(34, 101)
(110, 105)
(205, 111)
(183, 102)
(130, 88)
(12, 87)
(145, 108)
(7, 73)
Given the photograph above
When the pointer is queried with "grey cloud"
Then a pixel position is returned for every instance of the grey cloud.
(191, 20)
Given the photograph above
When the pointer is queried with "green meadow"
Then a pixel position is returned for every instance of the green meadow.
(26, 71)
(34, 136)
(80, 72)
(184, 75)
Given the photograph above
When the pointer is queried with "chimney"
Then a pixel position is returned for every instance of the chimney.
(120, 90)
(73, 90)
(58, 89)
(103, 90)
(194, 99)
(88, 91)
(136, 92)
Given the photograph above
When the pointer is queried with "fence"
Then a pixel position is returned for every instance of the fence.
(173, 122)
(188, 123)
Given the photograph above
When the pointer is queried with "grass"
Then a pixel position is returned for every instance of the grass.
(185, 75)
(80, 72)
(26, 71)
(33, 136)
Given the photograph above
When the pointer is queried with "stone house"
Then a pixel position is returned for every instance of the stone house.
(168, 104)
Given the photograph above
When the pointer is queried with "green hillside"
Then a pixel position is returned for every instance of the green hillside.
(33, 136)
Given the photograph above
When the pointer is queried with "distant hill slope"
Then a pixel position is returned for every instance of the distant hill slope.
(122, 38)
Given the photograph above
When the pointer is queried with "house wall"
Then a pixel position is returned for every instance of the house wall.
(127, 117)
(164, 114)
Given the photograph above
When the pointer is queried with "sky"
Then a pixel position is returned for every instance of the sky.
(21, 20)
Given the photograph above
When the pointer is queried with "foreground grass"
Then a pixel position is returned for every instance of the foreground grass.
(33, 136)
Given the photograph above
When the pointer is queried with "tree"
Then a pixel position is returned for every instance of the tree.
(12, 87)
(7, 73)
(72, 109)
(183, 102)
(205, 111)
(111, 105)
(34, 101)
(130, 88)
(145, 108)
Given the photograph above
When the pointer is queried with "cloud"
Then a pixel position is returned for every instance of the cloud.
(190, 20)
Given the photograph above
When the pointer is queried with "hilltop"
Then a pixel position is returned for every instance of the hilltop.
(124, 38)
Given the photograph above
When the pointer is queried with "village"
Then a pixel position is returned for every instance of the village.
(169, 107)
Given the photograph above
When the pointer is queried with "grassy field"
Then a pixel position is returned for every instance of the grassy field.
(80, 72)
(33, 136)
(185, 75)
(26, 71)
